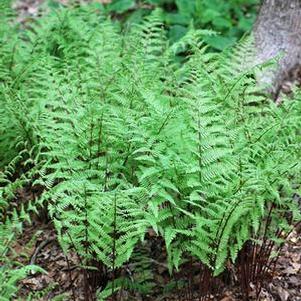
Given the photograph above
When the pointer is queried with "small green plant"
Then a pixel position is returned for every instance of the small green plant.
(123, 140)
(230, 19)
(11, 271)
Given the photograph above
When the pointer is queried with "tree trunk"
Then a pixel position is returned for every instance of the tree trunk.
(278, 30)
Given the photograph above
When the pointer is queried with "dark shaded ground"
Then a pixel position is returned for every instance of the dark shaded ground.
(61, 274)
(38, 245)
(286, 285)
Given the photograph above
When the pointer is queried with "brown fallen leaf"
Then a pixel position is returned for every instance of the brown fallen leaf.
(37, 283)
(296, 266)
(227, 298)
(283, 294)
(295, 281)
(290, 271)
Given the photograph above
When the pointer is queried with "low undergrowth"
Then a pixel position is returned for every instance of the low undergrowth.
(117, 140)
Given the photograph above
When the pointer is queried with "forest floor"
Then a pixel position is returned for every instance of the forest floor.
(38, 245)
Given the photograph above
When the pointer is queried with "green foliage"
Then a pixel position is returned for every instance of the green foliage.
(124, 140)
(141, 278)
(9, 278)
(231, 19)
(11, 272)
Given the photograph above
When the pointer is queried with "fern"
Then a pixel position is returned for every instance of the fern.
(122, 139)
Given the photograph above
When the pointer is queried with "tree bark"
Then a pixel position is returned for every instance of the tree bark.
(278, 31)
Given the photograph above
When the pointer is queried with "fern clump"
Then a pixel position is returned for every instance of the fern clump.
(123, 139)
